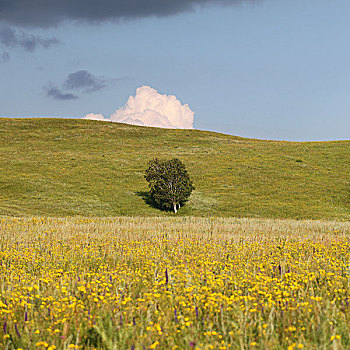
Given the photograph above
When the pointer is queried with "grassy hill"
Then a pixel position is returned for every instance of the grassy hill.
(61, 167)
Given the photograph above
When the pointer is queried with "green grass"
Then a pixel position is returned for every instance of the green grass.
(59, 167)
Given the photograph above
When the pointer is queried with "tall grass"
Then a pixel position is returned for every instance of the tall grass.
(167, 283)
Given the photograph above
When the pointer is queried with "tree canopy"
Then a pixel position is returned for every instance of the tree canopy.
(169, 182)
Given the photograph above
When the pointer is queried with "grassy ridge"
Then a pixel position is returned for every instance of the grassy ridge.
(80, 167)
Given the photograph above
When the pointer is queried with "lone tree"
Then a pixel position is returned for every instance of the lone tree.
(169, 182)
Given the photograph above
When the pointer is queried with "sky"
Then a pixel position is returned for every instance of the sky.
(267, 69)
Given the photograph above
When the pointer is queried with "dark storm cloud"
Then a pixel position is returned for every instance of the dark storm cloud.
(31, 42)
(8, 36)
(46, 13)
(54, 92)
(84, 80)
(81, 80)
(11, 38)
(5, 56)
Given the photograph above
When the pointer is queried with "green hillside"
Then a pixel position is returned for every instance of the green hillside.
(61, 167)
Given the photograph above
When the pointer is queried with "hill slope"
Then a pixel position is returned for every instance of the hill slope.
(80, 167)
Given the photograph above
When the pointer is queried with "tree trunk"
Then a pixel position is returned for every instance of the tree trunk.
(175, 210)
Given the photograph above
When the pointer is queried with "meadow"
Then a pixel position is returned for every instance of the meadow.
(63, 167)
(174, 283)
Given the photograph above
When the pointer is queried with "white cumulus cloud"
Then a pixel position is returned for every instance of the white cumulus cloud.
(150, 108)
(93, 116)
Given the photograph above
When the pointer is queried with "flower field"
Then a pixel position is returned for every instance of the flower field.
(166, 283)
